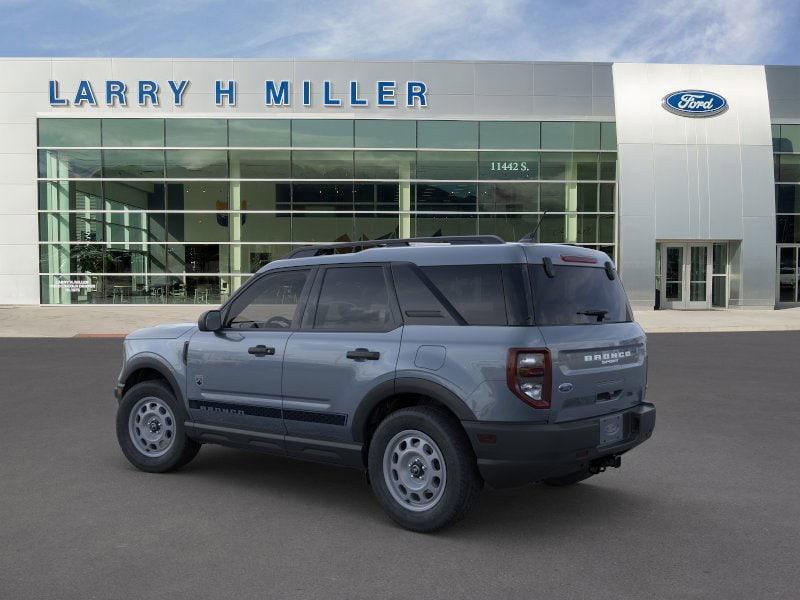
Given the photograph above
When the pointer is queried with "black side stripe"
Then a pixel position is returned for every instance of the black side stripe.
(269, 412)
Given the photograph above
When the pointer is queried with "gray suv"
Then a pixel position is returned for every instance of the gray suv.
(434, 365)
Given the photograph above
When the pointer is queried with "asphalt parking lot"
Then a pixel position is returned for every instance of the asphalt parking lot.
(709, 508)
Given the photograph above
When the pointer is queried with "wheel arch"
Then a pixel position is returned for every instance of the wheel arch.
(148, 368)
(400, 393)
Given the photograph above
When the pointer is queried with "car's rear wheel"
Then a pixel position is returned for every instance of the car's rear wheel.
(422, 468)
(150, 428)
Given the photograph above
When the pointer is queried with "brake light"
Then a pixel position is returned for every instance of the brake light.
(528, 373)
(578, 259)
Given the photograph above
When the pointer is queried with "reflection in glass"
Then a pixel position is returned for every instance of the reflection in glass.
(267, 199)
(557, 165)
(322, 196)
(65, 133)
(380, 196)
(444, 224)
(263, 195)
(789, 168)
(70, 195)
(384, 133)
(446, 197)
(508, 197)
(553, 197)
(787, 198)
(585, 166)
(260, 164)
(385, 164)
(322, 164)
(606, 197)
(447, 134)
(133, 132)
(553, 229)
(608, 136)
(63, 164)
(509, 134)
(322, 133)
(197, 164)
(447, 165)
(198, 133)
(376, 226)
(322, 227)
(509, 227)
(132, 164)
(259, 133)
(587, 197)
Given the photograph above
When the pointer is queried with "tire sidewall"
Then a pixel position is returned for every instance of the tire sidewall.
(459, 463)
(173, 457)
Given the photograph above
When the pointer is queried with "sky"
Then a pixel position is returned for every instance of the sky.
(679, 31)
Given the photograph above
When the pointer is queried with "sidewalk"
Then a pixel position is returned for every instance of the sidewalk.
(116, 321)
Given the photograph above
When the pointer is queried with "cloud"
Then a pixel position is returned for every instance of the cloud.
(711, 31)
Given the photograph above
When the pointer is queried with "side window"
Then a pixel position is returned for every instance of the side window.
(354, 299)
(476, 291)
(417, 302)
(270, 303)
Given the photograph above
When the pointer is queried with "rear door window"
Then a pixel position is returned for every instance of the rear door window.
(354, 299)
(577, 296)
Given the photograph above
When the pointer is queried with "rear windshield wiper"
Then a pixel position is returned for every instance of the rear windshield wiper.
(600, 314)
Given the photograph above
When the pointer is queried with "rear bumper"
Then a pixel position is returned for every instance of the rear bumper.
(525, 453)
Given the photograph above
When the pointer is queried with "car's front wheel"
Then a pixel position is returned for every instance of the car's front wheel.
(150, 428)
(422, 468)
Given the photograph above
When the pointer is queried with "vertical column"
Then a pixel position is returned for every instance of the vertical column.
(404, 228)
(235, 225)
(571, 221)
(57, 230)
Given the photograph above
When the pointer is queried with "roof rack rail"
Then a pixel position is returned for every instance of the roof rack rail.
(350, 247)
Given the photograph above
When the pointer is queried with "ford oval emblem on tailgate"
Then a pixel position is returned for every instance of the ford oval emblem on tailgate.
(565, 387)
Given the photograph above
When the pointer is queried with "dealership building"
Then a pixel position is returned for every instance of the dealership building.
(167, 181)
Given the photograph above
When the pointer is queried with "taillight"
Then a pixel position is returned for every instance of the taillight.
(528, 376)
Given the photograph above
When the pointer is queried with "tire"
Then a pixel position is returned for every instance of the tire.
(566, 480)
(161, 443)
(435, 448)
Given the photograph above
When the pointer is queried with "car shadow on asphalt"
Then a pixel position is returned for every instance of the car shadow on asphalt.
(522, 511)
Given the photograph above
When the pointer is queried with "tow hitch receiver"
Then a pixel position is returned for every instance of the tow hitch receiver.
(601, 464)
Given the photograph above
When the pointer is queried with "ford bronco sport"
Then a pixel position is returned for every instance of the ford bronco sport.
(435, 365)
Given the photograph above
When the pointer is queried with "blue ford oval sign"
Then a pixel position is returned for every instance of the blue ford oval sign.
(695, 103)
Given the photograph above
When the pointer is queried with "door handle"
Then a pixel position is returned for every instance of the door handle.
(363, 354)
(261, 350)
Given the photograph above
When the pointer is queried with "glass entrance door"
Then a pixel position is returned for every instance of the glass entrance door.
(788, 274)
(673, 276)
(686, 275)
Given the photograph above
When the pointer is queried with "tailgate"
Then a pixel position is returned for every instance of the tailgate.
(597, 369)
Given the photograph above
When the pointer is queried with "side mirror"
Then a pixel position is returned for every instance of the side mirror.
(211, 320)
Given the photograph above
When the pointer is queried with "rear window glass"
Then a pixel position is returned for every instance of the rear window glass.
(475, 291)
(577, 296)
(418, 302)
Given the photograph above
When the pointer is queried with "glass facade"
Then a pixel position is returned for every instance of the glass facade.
(184, 210)
(786, 148)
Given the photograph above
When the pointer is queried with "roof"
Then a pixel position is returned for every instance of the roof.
(463, 254)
